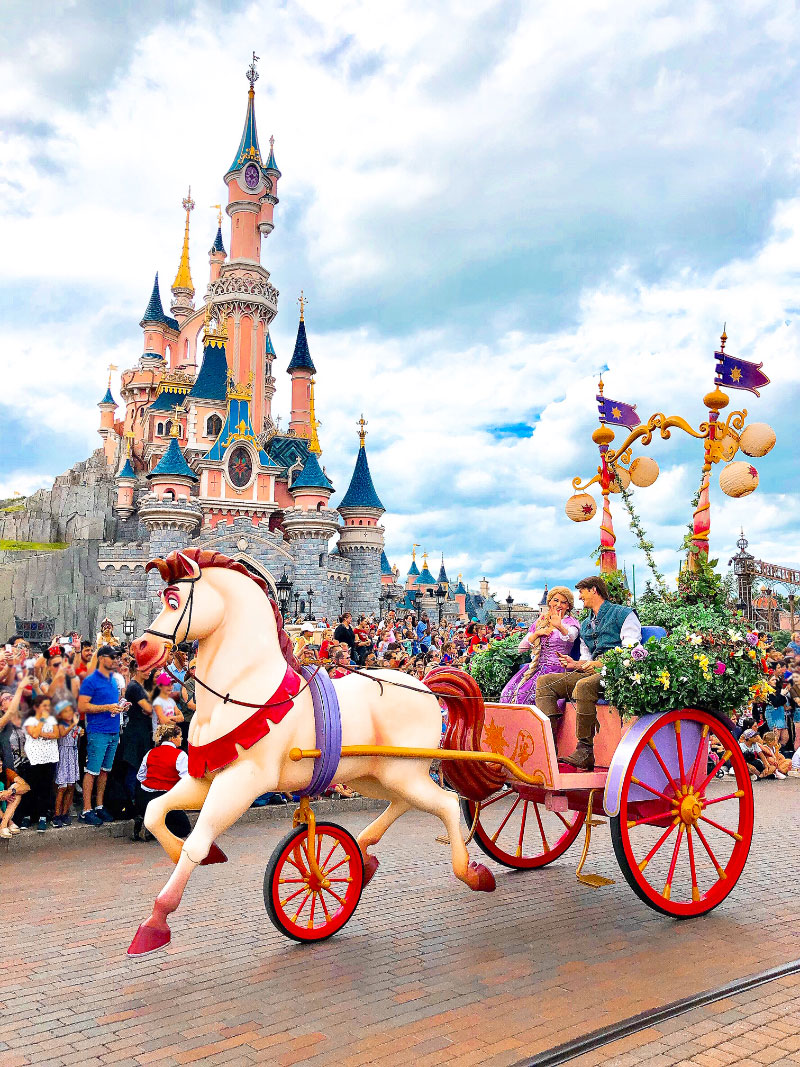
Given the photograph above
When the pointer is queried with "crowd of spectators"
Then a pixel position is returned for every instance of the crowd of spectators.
(85, 735)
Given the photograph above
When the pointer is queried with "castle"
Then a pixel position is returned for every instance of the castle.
(197, 457)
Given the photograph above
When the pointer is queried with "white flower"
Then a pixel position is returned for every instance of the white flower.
(637, 678)
(603, 673)
(735, 635)
(695, 639)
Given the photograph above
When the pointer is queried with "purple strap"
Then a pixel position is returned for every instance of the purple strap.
(328, 724)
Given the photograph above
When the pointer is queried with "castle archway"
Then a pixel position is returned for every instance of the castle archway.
(259, 570)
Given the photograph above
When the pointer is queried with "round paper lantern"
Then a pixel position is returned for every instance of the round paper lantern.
(644, 471)
(738, 479)
(581, 507)
(757, 439)
(622, 480)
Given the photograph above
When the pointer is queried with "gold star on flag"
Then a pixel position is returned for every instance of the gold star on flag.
(736, 374)
(616, 413)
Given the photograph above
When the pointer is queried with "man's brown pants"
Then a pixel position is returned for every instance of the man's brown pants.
(581, 686)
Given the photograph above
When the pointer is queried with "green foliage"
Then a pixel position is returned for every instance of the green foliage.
(704, 584)
(780, 639)
(493, 668)
(672, 612)
(29, 546)
(715, 667)
(645, 545)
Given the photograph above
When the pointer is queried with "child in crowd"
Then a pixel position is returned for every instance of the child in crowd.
(162, 768)
(165, 709)
(67, 772)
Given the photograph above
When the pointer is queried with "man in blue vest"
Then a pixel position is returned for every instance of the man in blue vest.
(607, 626)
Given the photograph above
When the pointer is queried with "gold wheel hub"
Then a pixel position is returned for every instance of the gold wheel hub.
(689, 807)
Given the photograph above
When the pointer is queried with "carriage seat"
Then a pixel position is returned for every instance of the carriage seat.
(658, 632)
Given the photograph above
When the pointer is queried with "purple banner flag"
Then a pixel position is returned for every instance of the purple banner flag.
(739, 374)
(617, 413)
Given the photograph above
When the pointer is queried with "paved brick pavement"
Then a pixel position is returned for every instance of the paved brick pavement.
(425, 971)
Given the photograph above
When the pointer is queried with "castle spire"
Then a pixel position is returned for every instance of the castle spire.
(248, 150)
(314, 445)
(183, 279)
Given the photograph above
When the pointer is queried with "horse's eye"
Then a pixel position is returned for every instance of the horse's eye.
(172, 601)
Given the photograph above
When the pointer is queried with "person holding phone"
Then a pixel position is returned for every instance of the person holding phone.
(41, 750)
(100, 702)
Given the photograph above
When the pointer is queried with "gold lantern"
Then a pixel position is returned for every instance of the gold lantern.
(644, 471)
(620, 480)
(581, 507)
(738, 479)
(757, 439)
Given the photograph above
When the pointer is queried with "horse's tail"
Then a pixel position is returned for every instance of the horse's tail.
(465, 713)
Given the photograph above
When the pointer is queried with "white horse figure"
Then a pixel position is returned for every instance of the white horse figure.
(243, 655)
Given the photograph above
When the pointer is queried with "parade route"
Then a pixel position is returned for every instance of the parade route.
(425, 971)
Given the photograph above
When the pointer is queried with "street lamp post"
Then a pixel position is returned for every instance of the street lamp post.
(510, 603)
(341, 602)
(129, 623)
(310, 594)
(296, 604)
(284, 588)
(417, 601)
(441, 596)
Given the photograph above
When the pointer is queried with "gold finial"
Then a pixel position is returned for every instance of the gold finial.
(129, 436)
(414, 553)
(313, 445)
(219, 214)
(252, 73)
(214, 335)
(424, 561)
(362, 433)
(600, 385)
(302, 301)
(175, 427)
(271, 142)
(183, 279)
(111, 368)
(723, 337)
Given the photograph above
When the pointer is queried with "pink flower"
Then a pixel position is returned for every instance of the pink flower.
(719, 667)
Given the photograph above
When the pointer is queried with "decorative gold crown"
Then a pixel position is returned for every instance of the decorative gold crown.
(214, 335)
(240, 390)
(176, 381)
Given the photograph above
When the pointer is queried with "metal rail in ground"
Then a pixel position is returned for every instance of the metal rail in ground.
(632, 1025)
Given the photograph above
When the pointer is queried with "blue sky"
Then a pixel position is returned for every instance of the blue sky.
(485, 205)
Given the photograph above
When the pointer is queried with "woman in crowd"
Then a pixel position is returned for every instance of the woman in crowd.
(41, 751)
(11, 761)
(554, 632)
(165, 709)
(137, 735)
(67, 772)
(162, 768)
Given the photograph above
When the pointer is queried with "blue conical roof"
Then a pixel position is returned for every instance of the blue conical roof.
(127, 470)
(218, 246)
(385, 568)
(173, 463)
(268, 348)
(108, 398)
(271, 164)
(154, 312)
(425, 577)
(413, 569)
(460, 590)
(442, 574)
(361, 492)
(238, 426)
(248, 146)
(212, 381)
(312, 476)
(301, 359)
(543, 601)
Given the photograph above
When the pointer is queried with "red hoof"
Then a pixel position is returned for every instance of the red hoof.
(371, 864)
(480, 878)
(215, 855)
(149, 938)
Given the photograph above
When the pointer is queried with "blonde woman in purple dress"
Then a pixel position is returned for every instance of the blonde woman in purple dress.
(553, 632)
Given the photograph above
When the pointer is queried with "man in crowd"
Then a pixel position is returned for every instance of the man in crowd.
(99, 701)
(344, 632)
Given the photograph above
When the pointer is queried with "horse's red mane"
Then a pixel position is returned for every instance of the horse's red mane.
(173, 568)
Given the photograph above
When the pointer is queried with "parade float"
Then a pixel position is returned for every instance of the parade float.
(667, 771)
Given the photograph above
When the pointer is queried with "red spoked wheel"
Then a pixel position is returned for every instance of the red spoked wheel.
(521, 833)
(301, 905)
(682, 834)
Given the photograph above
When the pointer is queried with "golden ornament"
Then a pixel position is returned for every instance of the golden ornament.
(581, 507)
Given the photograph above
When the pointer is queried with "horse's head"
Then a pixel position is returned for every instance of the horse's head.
(192, 610)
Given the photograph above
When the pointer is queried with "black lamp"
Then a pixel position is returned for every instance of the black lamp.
(510, 603)
(284, 588)
(129, 623)
(310, 594)
(341, 602)
(441, 596)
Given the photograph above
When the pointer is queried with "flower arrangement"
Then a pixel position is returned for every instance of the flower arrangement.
(494, 667)
(719, 667)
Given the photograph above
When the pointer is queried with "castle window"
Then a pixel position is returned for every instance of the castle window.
(168, 495)
(319, 506)
(322, 559)
(160, 429)
(168, 427)
(360, 522)
(213, 426)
